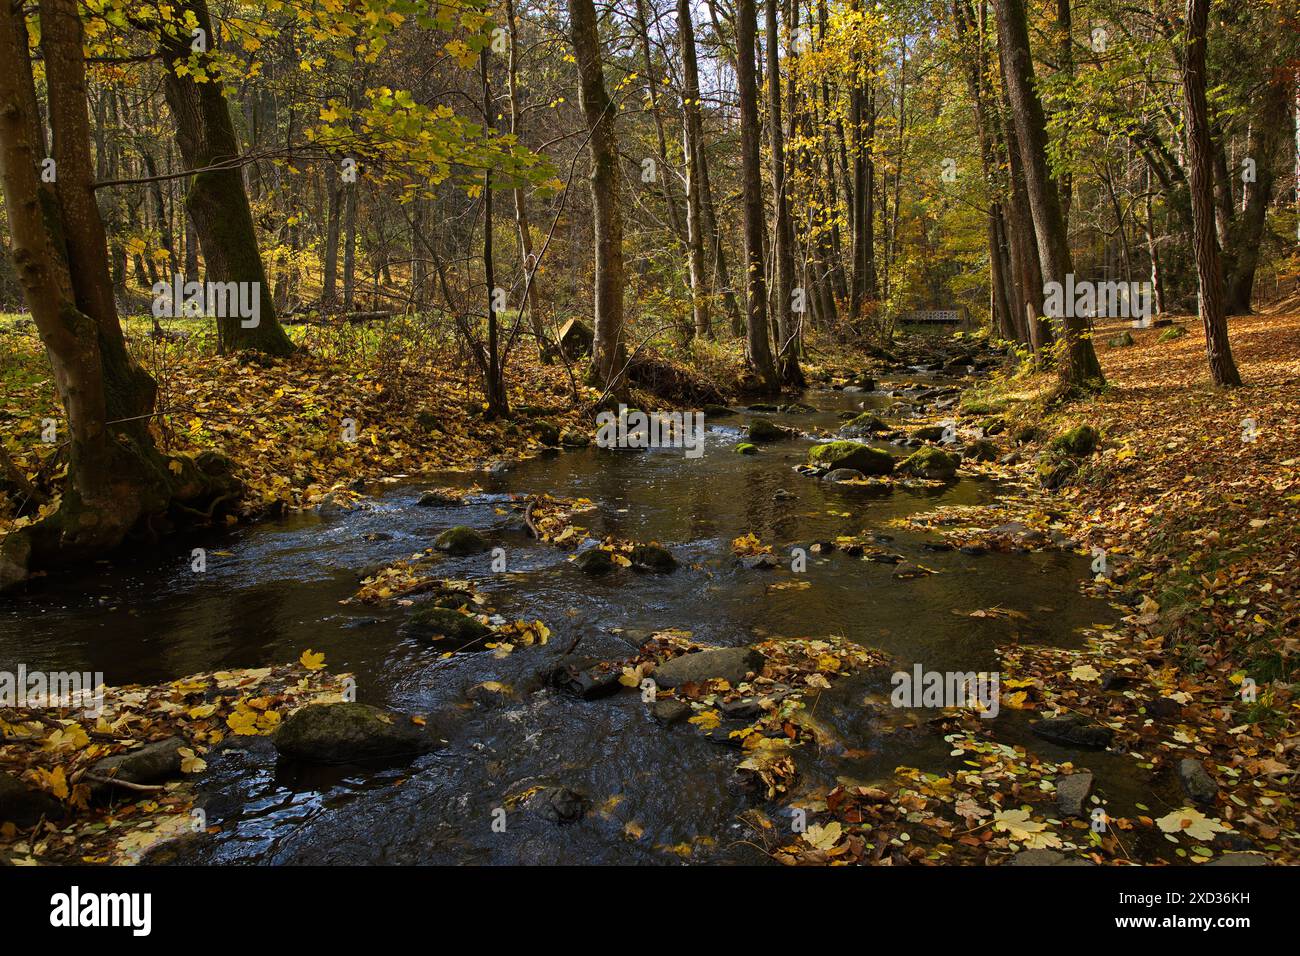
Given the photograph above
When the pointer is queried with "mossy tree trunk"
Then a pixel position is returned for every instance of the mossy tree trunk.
(216, 199)
(116, 476)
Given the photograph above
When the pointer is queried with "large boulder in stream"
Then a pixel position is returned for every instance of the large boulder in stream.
(863, 425)
(851, 454)
(461, 541)
(762, 430)
(732, 664)
(347, 733)
(933, 463)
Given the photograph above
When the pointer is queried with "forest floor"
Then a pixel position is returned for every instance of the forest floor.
(1188, 505)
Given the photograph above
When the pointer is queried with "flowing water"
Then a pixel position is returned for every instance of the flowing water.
(272, 590)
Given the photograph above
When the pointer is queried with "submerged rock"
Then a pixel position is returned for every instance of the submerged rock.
(1072, 793)
(594, 561)
(1073, 730)
(843, 474)
(461, 541)
(447, 624)
(851, 454)
(654, 558)
(732, 664)
(1197, 782)
(558, 804)
(349, 732)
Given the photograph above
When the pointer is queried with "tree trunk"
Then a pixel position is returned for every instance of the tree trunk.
(216, 199)
(787, 331)
(522, 226)
(1200, 160)
(692, 139)
(1080, 368)
(1246, 233)
(608, 349)
(115, 474)
(329, 289)
(758, 349)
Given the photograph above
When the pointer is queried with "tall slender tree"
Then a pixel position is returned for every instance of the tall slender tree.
(758, 348)
(608, 349)
(1080, 367)
(1200, 161)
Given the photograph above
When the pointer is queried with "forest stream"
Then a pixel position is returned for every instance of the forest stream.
(274, 589)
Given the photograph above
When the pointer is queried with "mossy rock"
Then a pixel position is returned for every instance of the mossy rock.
(746, 448)
(461, 541)
(932, 463)
(761, 430)
(1121, 341)
(1077, 442)
(930, 433)
(347, 733)
(1025, 434)
(718, 411)
(573, 438)
(981, 450)
(545, 432)
(595, 561)
(864, 424)
(1171, 333)
(982, 407)
(851, 454)
(993, 426)
(447, 624)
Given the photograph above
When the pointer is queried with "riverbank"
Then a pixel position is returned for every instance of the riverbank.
(1187, 498)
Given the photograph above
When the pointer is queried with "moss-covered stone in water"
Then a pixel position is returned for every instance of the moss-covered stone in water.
(763, 430)
(864, 424)
(745, 448)
(1078, 442)
(443, 624)
(461, 541)
(932, 463)
(930, 433)
(851, 454)
(594, 561)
